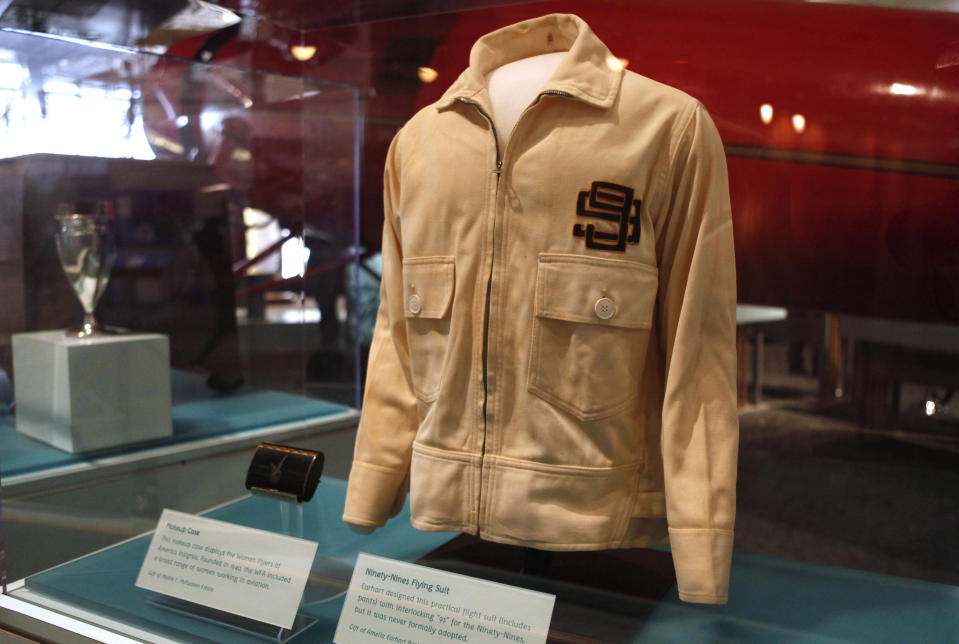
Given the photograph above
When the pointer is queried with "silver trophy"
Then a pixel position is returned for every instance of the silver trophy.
(87, 250)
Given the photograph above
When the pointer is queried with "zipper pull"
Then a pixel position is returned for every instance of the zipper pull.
(499, 168)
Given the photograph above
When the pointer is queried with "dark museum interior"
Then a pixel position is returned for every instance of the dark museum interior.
(208, 176)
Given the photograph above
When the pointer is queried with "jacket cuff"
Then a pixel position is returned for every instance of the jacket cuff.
(702, 559)
(373, 494)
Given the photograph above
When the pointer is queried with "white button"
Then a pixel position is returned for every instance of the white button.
(415, 305)
(605, 308)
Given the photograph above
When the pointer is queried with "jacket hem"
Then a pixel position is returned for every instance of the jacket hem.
(637, 542)
(426, 526)
(593, 515)
(641, 542)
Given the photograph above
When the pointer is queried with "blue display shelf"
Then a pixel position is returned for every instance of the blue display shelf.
(772, 600)
(198, 413)
(103, 583)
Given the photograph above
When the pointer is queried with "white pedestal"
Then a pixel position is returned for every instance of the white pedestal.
(91, 393)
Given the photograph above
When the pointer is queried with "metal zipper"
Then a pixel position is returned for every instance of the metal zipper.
(489, 287)
(489, 279)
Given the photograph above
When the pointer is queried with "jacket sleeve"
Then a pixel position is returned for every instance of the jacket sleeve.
(378, 479)
(697, 298)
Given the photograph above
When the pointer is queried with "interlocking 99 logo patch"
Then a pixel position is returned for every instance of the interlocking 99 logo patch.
(609, 202)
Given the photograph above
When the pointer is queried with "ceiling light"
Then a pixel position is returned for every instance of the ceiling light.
(766, 113)
(617, 64)
(427, 74)
(303, 52)
(902, 89)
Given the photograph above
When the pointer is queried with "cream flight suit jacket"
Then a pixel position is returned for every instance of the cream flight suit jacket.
(553, 363)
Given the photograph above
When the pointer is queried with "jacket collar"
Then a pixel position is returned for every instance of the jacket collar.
(588, 72)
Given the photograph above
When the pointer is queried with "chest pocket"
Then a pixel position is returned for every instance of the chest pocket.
(590, 332)
(427, 296)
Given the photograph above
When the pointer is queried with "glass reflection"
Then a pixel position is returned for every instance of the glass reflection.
(46, 114)
(799, 123)
(766, 113)
(904, 89)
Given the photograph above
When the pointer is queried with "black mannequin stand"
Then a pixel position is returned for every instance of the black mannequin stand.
(537, 562)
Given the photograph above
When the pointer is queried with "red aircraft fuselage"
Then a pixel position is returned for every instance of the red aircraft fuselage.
(841, 126)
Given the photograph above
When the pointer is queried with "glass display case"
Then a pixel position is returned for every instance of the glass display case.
(225, 161)
(229, 196)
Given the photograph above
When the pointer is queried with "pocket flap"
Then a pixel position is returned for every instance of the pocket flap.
(427, 286)
(593, 290)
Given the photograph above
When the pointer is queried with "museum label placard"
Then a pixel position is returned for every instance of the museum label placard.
(254, 573)
(402, 603)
